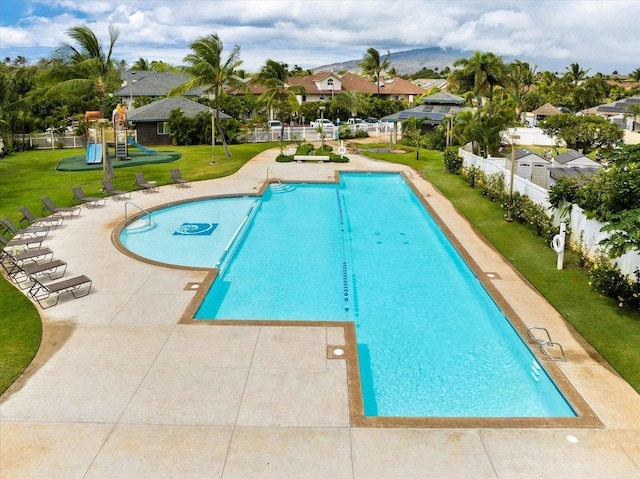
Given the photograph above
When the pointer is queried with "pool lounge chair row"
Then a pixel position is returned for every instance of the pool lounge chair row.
(26, 267)
(142, 184)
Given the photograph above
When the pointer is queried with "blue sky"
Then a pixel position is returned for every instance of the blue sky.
(602, 35)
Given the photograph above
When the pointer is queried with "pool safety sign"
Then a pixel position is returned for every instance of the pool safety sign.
(195, 229)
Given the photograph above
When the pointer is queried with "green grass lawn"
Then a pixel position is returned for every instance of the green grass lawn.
(613, 331)
(25, 177)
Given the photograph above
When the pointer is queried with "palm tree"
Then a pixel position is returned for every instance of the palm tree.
(207, 70)
(86, 66)
(481, 73)
(635, 75)
(520, 77)
(575, 73)
(141, 64)
(274, 76)
(348, 100)
(372, 66)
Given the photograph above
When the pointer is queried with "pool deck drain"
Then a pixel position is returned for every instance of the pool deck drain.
(120, 384)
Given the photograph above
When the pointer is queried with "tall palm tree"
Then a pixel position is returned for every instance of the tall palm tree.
(635, 75)
(372, 65)
(207, 70)
(481, 73)
(274, 76)
(575, 73)
(85, 66)
(519, 79)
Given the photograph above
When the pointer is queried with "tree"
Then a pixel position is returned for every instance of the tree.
(141, 64)
(85, 66)
(520, 77)
(584, 133)
(274, 76)
(372, 65)
(481, 73)
(635, 75)
(349, 101)
(575, 73)
(207, 70)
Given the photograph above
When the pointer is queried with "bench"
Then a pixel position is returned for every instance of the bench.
(311, 158)
(40, 292)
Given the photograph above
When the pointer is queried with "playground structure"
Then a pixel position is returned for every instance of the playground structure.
(120, 132)
(121, 138)
(94, 138)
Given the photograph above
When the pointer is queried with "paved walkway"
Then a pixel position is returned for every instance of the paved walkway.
(121, 388)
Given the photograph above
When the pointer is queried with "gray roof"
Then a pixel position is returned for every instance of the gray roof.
(161, 109)
(430, 114)
(443, 97)
(525, 153)
(569, 156)
(557, 172)
(153, 84)
(617, 107)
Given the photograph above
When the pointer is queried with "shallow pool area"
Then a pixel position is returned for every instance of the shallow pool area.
(431, 341)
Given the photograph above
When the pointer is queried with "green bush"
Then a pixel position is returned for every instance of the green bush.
(605, 276)
(452, 161)
(338, 158)
(282, 158)
(304, 149)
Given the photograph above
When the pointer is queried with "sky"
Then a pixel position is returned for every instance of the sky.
(600, 35)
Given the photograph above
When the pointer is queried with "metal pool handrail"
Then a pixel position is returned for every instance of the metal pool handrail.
(140, 208)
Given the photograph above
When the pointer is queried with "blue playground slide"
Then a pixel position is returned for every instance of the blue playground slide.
(133, 142)
(94, 153)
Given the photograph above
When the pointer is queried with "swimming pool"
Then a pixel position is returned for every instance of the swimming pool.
(431, 341)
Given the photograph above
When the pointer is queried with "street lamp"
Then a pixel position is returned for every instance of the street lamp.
(213, 137)
(514, 139)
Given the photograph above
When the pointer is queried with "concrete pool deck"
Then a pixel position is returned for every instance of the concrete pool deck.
(121, 387)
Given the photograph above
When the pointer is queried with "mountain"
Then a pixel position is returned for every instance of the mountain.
(409, 61)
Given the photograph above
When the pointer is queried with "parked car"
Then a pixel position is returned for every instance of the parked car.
(324, 122)
(372, 121)
(274, 124)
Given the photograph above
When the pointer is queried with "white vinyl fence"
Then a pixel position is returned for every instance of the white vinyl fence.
(292, 133)
(584, 233)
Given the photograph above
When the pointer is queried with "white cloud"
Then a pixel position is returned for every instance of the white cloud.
(310, 33)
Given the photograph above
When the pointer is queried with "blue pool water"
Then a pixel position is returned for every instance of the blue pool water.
(431, 341)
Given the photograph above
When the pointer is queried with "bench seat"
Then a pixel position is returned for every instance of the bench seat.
(311, 158)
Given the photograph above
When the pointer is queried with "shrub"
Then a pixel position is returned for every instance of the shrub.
(605, 276)
(473, 175)
(338, 158)
(452, 161)
(304, 149)
(282, 158)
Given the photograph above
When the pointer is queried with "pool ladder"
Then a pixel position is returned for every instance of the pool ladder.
(546, 346)
(145, 212)
(280, 187)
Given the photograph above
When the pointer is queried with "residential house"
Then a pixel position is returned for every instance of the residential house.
(150, 121)
(618, 112)
(324, 86)
(151, 84)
